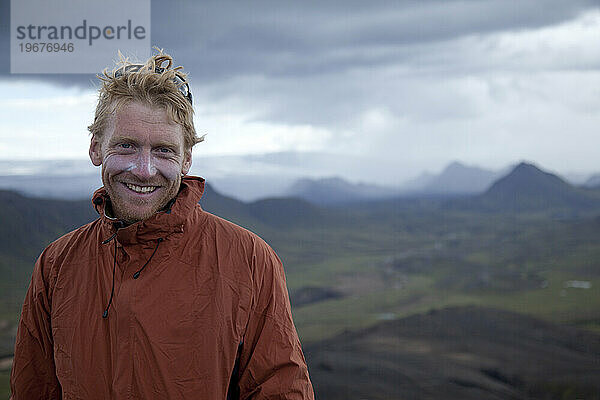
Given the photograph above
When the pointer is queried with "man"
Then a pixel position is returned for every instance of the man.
(156, 298)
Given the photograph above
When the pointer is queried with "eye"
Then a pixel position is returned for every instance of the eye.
(125, 145)
(164, 150)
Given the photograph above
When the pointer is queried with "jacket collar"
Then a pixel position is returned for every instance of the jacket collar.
(161, 224)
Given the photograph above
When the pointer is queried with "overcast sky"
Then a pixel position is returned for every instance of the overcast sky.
(408, 85)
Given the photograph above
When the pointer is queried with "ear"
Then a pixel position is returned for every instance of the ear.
(96, 151)
(187, 162)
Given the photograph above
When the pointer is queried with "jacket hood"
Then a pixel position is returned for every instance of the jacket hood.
(162, 224)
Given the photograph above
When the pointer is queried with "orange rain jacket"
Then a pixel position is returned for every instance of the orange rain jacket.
(199, 311)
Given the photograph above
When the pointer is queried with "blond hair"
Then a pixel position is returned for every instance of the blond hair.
(150, 83)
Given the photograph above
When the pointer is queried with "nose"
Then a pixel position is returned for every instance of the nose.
(144, 168)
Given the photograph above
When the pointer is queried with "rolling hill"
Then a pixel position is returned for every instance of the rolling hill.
(458, 353)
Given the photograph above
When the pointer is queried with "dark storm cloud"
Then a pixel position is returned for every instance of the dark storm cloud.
(223, 39)
(275, 38)
(321, 62)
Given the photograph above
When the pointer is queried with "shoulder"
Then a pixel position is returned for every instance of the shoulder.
(235, 240)
(213, 226)
(65, 249)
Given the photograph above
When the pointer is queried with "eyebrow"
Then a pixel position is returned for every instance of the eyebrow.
(116, 138)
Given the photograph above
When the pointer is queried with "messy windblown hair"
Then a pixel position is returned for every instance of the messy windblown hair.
(156, 84)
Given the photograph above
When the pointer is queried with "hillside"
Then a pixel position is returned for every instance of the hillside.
(269, 214)
(458, 353)
(27, 222)
(227, 207)
(528, 189)
(328, 191)
(593, 182)
(28, 225)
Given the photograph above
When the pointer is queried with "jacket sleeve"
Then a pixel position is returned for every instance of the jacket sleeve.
(33, 374)
(272, 365)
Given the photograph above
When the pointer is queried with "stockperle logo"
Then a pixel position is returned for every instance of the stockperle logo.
(74, 36)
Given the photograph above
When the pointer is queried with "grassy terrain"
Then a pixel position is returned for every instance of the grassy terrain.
(555, 302)
(520, 264)
(4, 387)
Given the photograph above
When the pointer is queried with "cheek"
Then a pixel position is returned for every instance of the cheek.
(171, 170)
(116, 164)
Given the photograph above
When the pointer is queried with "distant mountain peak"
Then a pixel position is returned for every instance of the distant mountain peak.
(527, 187)
(593, 181)
(336, 190)
(526, 166)
(527, 177)
(455, 165)
(458, 178)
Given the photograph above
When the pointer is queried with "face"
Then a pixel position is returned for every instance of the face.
(143, 159)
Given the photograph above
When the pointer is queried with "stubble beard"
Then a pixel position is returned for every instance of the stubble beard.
(134, 210)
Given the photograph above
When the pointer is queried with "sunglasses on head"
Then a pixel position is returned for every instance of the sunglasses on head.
(179, 79)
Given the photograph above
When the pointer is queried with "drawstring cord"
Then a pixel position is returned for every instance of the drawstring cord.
(112, 291)
(135, 276)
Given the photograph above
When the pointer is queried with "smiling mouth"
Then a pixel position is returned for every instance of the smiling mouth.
(141, 189)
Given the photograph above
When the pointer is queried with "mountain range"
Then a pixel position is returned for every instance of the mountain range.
(28, 223)
(78, 179)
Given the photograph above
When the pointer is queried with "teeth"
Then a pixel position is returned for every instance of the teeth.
(141, 189)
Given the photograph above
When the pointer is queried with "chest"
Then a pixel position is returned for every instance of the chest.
(178, 312)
